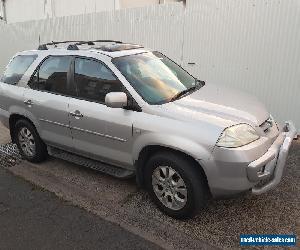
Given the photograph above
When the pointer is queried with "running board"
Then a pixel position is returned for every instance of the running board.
(93, 164)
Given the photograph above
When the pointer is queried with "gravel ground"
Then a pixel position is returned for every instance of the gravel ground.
(217, 226)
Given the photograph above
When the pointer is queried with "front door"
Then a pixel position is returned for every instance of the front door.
(98, 131)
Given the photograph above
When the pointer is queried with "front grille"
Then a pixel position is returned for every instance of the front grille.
(267, 125)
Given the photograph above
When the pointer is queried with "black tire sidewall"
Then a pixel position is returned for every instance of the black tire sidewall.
(41, 149)
(192, 178)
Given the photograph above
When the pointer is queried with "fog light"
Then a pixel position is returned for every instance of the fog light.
(261, 170)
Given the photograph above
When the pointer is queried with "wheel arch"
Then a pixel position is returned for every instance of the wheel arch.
(13, 118)
(149, 150)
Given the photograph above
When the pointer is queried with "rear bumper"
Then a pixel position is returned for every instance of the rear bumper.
(272, 163)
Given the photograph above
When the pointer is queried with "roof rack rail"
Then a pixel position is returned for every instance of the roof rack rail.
(74, 45)
(97, 41)
(42, 47)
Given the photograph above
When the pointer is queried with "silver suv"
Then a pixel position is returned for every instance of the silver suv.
(129, 111)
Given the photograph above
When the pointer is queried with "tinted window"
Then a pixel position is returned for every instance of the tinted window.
(94, 80)
(52, 75)
(17, 68)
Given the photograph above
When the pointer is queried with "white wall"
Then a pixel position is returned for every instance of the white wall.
(27, 10)
(136, 3)
(77, 7)
(154, 26)
(20, 11)
(250, 45)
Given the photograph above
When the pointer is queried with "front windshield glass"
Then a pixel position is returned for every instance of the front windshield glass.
(155, 77)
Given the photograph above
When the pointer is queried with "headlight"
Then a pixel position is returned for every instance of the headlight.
(237, 136)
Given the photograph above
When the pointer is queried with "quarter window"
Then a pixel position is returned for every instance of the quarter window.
(52, 75)
(17, 68)
(94, 80)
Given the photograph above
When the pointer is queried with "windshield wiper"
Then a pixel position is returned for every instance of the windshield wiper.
(182, 93)
(198, 84)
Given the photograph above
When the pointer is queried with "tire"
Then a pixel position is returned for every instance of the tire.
(25, 133)
(194, 182)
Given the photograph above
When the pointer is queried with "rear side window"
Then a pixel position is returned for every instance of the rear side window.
(17, 68)
(52, 75)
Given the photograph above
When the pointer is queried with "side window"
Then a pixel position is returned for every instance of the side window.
(94, 80)
(17, 68)
(52, 75)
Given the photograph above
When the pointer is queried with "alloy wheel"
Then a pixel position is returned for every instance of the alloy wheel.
(169, 187)
(27, 142)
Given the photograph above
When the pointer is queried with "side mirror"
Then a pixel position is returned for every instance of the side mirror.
(116, 100)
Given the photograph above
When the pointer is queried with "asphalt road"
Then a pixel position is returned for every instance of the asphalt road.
(32, 218)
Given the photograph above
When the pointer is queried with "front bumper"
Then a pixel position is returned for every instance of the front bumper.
(231, 171)
(272, 163)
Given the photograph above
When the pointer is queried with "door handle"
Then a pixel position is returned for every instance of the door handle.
(76, 114)
(28, 102)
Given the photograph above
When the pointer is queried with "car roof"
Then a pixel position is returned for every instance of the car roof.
(112, 50)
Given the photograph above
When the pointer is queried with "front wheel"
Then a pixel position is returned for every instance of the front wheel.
(175, 184)
(29, 143)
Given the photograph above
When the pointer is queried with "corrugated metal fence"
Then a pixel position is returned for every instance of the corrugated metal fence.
(252, 44)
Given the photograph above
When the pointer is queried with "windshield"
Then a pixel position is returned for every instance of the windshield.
(154, 76)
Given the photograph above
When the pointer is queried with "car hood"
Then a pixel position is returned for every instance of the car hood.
(219, 105)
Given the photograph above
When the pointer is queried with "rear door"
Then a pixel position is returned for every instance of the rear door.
(99, 132)
(47, 100)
